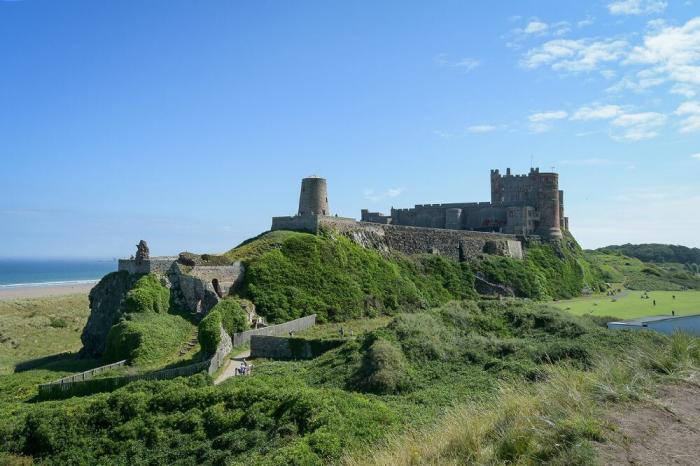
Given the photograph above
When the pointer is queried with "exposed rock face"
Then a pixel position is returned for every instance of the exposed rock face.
(488, 288)
(106, 300)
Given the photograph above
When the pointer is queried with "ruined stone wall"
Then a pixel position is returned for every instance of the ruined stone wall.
(456, 244)
(308, 223)
(157, 265)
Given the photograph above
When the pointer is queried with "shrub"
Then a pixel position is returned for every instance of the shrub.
(147, 295)
(209, 332)
(383, 370)
(227, 313)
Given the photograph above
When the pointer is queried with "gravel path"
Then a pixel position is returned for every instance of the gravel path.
(231, 365)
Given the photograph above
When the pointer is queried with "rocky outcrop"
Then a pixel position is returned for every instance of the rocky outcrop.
(487, 288)
(106, 300)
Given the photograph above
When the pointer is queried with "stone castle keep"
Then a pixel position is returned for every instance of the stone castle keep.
(524, 205)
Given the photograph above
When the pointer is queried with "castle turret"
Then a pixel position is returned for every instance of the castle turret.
(548, 204)
(313, 198)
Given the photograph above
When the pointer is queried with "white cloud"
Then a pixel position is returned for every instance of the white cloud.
(684, 90)
(696, 156)
(481, 128)
(690, 111)
(574, 55)
(638, 126)
(548, 116)
(540, 122)
(585, 22)
(535, 27)
(636, 7)
(373, 196)
(597, 112)
(463, 64)
(672, 51)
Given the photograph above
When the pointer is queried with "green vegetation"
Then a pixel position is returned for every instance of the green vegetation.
(629, 304)
(294, 274)
(548, 271)
(228, 313)
(149, 334)
(381, 382)
(658, 253)
(147, 340)
(637, 275)
(147, 295)
(547, 423)
(32, 328)
(339, 280)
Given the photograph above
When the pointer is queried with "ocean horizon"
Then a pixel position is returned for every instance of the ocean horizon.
(19, 273)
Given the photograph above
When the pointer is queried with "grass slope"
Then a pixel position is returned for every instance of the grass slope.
(630, 305)
(32, 328)
(637, 275)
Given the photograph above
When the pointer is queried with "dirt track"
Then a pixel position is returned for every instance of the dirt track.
(666, 432)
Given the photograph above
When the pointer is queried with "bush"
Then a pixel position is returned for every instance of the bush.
(147, 295)
(209, 332)
(227, 313)
(383, 371)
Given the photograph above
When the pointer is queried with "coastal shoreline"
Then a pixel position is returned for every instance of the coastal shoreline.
(45, 291)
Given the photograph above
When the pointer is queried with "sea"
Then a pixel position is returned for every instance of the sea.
(16, 273)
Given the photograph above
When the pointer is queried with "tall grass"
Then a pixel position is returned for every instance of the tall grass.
(551, 422)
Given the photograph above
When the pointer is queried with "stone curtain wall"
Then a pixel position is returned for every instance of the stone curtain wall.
(157, 265)
(296, 325)
(457, 244)
(271, 347)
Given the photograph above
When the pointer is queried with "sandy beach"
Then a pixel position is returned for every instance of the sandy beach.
(25, 292)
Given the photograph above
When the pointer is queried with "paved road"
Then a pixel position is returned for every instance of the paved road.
(231, 365)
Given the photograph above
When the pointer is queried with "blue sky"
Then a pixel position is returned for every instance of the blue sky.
(190, 124)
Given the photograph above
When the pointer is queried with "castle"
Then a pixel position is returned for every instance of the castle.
(524, 205)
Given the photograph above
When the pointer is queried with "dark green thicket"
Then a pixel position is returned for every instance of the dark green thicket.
(228, 313)
(188, 421)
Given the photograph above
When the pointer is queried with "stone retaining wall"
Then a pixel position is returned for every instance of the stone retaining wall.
(296, 325)
(271, 347)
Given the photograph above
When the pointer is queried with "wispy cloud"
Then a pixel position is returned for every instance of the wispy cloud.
(481, 128)
(574, 56)
(638, 126)
(541, 122)
(636, 7)
(696, 156)
(690, 113)
(535, 27)
(597, 112)
(373, 196)
(464, 65)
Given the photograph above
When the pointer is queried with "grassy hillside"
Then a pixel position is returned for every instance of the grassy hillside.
(383, 382)
(637, 275)
(293, 274)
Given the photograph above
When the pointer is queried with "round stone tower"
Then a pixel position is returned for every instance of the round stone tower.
(548, 205)
(314, 196)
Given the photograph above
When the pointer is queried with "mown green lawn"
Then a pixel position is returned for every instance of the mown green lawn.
(631, 305)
